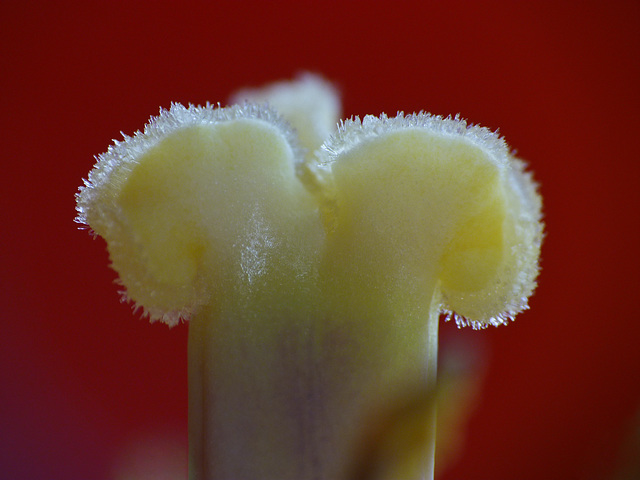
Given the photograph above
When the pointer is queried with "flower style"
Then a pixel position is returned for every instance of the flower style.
(312, 266)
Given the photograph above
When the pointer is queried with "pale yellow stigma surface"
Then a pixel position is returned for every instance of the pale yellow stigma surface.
(312, 275)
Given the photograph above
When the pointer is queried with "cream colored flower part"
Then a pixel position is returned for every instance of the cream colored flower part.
(443, 196)
(313, 268)
(416, 191)
(203, 196)
(309, 103)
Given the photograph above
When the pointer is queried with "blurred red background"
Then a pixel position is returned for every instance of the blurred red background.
(82, 378)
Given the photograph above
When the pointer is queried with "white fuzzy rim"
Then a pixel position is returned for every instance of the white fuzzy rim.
(124, 154)
(352, 132)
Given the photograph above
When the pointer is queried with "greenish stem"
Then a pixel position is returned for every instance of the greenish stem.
(285, 393)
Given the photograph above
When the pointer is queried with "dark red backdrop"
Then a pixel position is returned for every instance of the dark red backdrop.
(81, 378)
